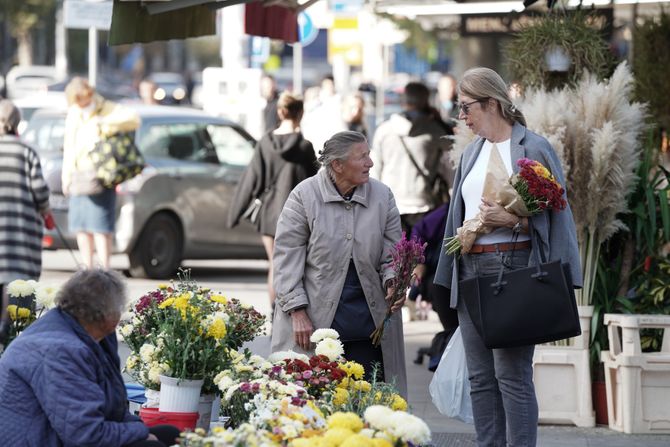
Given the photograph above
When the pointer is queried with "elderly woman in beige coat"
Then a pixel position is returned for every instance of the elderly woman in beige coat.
(332, 260)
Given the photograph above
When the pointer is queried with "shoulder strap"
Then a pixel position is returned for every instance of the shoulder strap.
(416, 165)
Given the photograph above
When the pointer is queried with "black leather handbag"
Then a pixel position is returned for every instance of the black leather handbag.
(525, 306)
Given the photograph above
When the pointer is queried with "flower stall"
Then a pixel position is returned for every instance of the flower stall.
(184, 332)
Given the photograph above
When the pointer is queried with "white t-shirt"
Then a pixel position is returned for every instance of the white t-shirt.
(473, 186)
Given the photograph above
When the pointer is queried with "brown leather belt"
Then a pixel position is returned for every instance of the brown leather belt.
(493, 248)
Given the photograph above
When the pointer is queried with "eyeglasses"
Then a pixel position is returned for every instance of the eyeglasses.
(465, 107)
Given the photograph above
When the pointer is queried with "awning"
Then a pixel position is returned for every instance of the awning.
(151, 20)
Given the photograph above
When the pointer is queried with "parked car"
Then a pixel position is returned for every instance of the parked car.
(171, 88)
(22, 81)
(30, 104)
(176, 208)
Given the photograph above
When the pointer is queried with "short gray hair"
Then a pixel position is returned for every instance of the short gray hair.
(9, 117)
(338, 148)
(93, 296)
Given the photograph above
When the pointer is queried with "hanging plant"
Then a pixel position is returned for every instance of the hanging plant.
(558, 50)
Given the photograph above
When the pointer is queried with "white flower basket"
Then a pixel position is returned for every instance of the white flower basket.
(180, 395)
(153, 398)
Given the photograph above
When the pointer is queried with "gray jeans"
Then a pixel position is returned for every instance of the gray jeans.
(504, 405)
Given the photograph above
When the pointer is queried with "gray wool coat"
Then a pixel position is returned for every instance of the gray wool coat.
(318, 232)
(555, 229)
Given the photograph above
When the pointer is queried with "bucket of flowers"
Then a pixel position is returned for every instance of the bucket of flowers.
(181, 336)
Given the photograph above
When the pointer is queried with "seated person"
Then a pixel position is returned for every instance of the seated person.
(60, 381)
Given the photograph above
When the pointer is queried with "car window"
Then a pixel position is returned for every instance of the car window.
(189, 142)
(45, 133)
(232, 147)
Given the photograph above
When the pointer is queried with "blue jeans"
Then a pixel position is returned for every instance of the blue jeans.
(504, 405)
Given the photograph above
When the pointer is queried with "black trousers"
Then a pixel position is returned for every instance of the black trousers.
(167, 436)
(363, 352)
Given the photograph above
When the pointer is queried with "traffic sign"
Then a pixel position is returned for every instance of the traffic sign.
(85, 14)
(307, 32)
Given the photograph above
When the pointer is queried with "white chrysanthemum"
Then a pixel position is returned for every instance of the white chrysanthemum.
(324, 333)
(378, 416)
(157, 369)
(256, 360)
(20, 288)
(243, 368)
(147, 352)
(45, 296)
(331, 348)
(280, 356)
(126, 330)
(409, 428)
(224, 383)
(246, 306)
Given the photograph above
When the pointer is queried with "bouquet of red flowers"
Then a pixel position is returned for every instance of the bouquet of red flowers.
(405, 256)
(533, 190)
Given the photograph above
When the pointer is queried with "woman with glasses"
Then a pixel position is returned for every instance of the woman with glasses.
(503, 397)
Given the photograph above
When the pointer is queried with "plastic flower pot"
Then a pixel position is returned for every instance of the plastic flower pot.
(179, 395)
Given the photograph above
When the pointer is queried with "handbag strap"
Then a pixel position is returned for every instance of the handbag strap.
(416, 165)
(537, 252)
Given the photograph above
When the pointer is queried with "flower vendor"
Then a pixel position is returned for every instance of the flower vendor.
(60, 381)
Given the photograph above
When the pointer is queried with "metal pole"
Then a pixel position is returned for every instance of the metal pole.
(92, 56)
(297, 68)
(61, 43)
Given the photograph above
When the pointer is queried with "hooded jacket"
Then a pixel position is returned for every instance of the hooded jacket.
(278, 165)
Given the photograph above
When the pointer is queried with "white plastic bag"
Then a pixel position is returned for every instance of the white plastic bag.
(450, 387)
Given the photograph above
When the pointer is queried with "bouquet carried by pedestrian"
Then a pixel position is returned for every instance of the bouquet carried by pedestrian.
(405, 256)
(532, 190)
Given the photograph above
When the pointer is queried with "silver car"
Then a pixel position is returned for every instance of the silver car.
(176, 208)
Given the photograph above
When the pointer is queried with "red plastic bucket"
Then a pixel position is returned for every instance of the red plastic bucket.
(183, 421)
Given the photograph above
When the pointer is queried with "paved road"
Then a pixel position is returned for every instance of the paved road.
(245, 280)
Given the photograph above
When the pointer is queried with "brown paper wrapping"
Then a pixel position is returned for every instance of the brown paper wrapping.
(497, 188)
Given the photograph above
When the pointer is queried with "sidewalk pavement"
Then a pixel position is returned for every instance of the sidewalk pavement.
(449, 432)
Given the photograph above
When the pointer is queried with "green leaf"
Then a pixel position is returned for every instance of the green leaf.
(665, 213)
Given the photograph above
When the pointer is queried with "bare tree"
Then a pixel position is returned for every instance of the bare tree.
(23, 16)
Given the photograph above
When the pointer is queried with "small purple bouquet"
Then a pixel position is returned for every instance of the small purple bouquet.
(405, 256)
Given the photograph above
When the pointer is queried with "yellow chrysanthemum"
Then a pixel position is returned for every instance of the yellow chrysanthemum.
(337, 435)
(347, 420)
(380, 442)
(219, 299)
(378, 396)
(357, 441)
(398, 404)
(23, 313)
(341, 396)
(217, 329)
(163, 286)
(167, 303)
(182, 301)
(362, 385)
(540, 170)
(344, 383)
(12, 311)
(302, 442)
(353, 369)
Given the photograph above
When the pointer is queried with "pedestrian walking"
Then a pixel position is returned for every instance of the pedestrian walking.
(283, 158)
(333, 261)
(24, 207)
(92, 209)
(408, 154)
(503, 396)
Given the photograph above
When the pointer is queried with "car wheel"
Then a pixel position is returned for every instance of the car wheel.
(157, 253)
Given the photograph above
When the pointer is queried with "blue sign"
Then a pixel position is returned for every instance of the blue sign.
(307, 32)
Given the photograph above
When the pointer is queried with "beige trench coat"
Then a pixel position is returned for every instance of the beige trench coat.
(317, 234)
